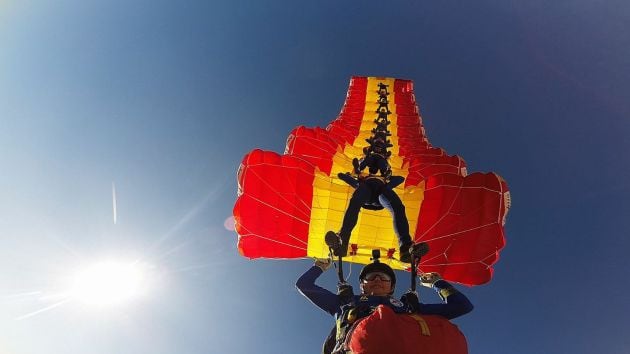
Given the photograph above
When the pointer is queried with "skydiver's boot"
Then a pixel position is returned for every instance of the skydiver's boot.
(405, 252)
(355, 164)
(336, 244)
(419, 249)
(410, 249)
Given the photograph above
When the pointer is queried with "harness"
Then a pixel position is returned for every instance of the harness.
(346, 295)
(350, 317)
(353, 311)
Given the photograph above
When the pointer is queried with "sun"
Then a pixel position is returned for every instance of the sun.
(110, 283)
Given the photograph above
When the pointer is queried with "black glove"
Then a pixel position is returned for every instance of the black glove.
(345, 292)
(410, 299)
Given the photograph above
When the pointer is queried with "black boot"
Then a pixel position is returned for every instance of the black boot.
(336, 244)
(355, 164)
(419, 249)
(405, 252)
(416, 249)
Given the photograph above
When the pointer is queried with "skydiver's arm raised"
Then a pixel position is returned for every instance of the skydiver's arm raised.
(322, 298)
(455, 303)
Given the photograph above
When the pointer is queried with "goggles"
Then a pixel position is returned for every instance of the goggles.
(381, 276)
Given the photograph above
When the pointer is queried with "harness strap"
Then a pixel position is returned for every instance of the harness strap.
(424, 327)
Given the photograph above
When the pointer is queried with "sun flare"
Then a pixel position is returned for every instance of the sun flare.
(109, 283)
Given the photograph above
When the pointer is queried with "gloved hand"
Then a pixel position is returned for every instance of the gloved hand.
(410, 298)
(428, 279)
(323, 263)
(344, 290)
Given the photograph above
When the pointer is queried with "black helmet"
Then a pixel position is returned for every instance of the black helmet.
(378, 267)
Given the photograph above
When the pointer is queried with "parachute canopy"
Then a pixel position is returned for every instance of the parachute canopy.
(286, 203)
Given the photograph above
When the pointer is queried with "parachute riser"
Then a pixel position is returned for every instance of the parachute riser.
(340, 270)
(344, 290)
(414, 272)
(411, 296)
(333, 243)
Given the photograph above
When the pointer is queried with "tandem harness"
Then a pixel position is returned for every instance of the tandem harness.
(352, 313)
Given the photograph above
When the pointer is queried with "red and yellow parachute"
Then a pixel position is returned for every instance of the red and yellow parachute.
(286, 203)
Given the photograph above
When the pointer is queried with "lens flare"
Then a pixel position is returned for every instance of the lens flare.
(110, 283)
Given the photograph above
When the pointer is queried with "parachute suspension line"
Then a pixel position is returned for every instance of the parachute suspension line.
(280, 196)
(450, 207)
(349, 272)
(249, 233)
(480, 208)
(481, 261)
(427, 261)
(444, 255)
(273, 241)
(494, 223)
(262, 202)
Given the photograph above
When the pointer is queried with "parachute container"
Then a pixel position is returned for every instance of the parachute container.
(286, 203)
(384, 331)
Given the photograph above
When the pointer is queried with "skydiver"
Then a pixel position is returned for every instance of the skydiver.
(374, 192)
(382, 131)
(382, 90)
(382, 103)
(376, 156)
(377, 282)
(383, 111)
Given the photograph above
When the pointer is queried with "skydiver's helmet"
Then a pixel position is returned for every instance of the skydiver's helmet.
(378, 267)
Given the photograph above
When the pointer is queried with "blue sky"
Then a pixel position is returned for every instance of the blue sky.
(164, 98)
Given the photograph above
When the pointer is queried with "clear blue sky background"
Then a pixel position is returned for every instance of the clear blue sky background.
(165, 97)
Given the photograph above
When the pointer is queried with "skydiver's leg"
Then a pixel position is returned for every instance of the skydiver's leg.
(359, 197)
(351, 181)
(366, 161)
(395, 181)
(373, 163)
(390, 200)
(356, 166)
(383, 165)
